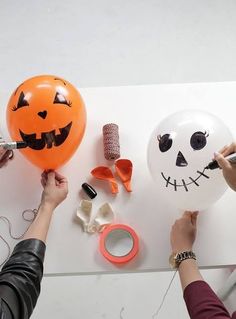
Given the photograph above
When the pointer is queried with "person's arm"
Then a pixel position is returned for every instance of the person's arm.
(55, 191)
(202, 302)
(200, 299)
(21, 276)
(182, 237)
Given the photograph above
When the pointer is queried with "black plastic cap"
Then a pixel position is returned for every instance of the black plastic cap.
(89, 190)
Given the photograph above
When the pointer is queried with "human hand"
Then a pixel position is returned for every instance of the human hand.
(55, 188)
(5, 156)
(183, 232)
(228, 169)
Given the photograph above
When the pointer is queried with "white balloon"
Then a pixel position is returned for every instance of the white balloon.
(180, 148)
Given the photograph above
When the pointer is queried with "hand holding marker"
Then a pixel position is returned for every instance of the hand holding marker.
(213, 165)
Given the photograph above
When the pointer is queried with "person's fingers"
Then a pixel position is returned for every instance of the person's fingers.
(61, 179)
(51, 178)
(2, 152)
(5, 155)
(44, 180)
(8, 154)
(187, 214)
(43, 183)
(44, 175)
(223, 149)
(229, 150)
(11, 155)
(194, 218)
(223, 163)
(57, 182)
(58, 175)
(3, 162)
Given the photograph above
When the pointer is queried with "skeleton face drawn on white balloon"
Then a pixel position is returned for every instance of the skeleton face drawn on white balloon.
(198, 141)
(179, 150)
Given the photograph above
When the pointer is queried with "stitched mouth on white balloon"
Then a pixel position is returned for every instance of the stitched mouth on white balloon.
(185, 183)
(48, 139)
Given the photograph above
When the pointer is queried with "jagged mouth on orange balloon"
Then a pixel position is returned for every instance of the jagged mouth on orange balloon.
(183, 182)
(48, 139)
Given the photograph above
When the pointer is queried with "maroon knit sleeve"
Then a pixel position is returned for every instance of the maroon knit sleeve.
(203, 303)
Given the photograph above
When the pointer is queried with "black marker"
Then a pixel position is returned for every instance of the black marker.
(213, 165)
(13, 145)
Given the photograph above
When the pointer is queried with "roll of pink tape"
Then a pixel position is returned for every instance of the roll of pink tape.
(119, 243)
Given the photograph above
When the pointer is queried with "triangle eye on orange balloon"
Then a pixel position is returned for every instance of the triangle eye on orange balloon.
(48, 113)
(123, 169)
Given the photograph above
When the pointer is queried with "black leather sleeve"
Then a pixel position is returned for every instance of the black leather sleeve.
(5, 311)
(20, 280)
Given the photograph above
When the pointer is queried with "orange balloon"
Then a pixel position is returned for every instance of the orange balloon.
(48, 113)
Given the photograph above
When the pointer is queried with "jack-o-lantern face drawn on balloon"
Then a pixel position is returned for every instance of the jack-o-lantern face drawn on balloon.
(47, 113)
(179, 150)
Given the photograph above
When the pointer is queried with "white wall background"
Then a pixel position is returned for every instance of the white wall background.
(107, 43)
(122, 42)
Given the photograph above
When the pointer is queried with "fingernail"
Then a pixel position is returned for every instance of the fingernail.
(216, 154)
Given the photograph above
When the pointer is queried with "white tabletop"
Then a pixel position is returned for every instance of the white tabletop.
(137, 110)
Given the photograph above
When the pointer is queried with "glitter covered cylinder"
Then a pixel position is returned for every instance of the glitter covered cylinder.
(111, 141)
